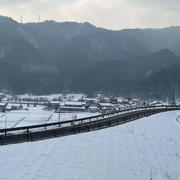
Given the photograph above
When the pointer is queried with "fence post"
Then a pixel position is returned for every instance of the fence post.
(1, 141)
(99, 125)
(109, 123)
(55, 135)
(79, 127)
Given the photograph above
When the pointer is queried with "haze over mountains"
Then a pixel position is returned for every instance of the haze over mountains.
(51, 57)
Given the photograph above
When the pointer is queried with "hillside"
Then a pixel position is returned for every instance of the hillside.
(51, 57)
(150, 75)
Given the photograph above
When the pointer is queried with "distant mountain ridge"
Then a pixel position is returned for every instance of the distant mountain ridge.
(50, 57)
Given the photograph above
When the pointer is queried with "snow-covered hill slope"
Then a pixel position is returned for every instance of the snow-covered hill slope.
(146, 149)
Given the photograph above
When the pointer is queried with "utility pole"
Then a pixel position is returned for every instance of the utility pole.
(5, 124)
(173, 91)
(21, 19)
(39, 18)
(59, 114)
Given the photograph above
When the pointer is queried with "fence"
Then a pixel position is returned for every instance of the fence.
(57, 129)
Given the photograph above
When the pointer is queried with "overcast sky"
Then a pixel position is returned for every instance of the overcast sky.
(111, 14)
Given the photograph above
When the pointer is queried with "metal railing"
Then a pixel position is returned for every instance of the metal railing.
(84, 120)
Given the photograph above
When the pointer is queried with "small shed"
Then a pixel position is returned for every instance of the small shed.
(3, 107)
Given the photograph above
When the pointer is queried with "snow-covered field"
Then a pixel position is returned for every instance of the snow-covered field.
(146, 149)
(36, 115)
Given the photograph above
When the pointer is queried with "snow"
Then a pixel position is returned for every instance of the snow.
(75, 97)
(74, 103)
(72, 96)
(36, 115)
(140, 150)
(106, 104)
(2, 104)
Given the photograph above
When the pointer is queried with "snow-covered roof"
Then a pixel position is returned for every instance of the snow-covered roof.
(74, 103)
(93, 107)
(155, 103)
(106, 104)
(2, 104)
(9, 106)
(55, 102)
(135, 100)
(71, 107)
(90, 99)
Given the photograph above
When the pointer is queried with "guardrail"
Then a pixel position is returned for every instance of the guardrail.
(44, 131)
(81, 120)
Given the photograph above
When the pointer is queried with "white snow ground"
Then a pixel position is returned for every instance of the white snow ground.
(146, 149)
(36, 115)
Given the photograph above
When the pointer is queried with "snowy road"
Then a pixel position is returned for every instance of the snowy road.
(139, 150)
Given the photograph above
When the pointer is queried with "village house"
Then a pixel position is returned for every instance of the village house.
(3, 107)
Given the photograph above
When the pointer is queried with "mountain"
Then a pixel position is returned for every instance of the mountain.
(131, 76)
(49, 36)
(160, 84)
(51, 56)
